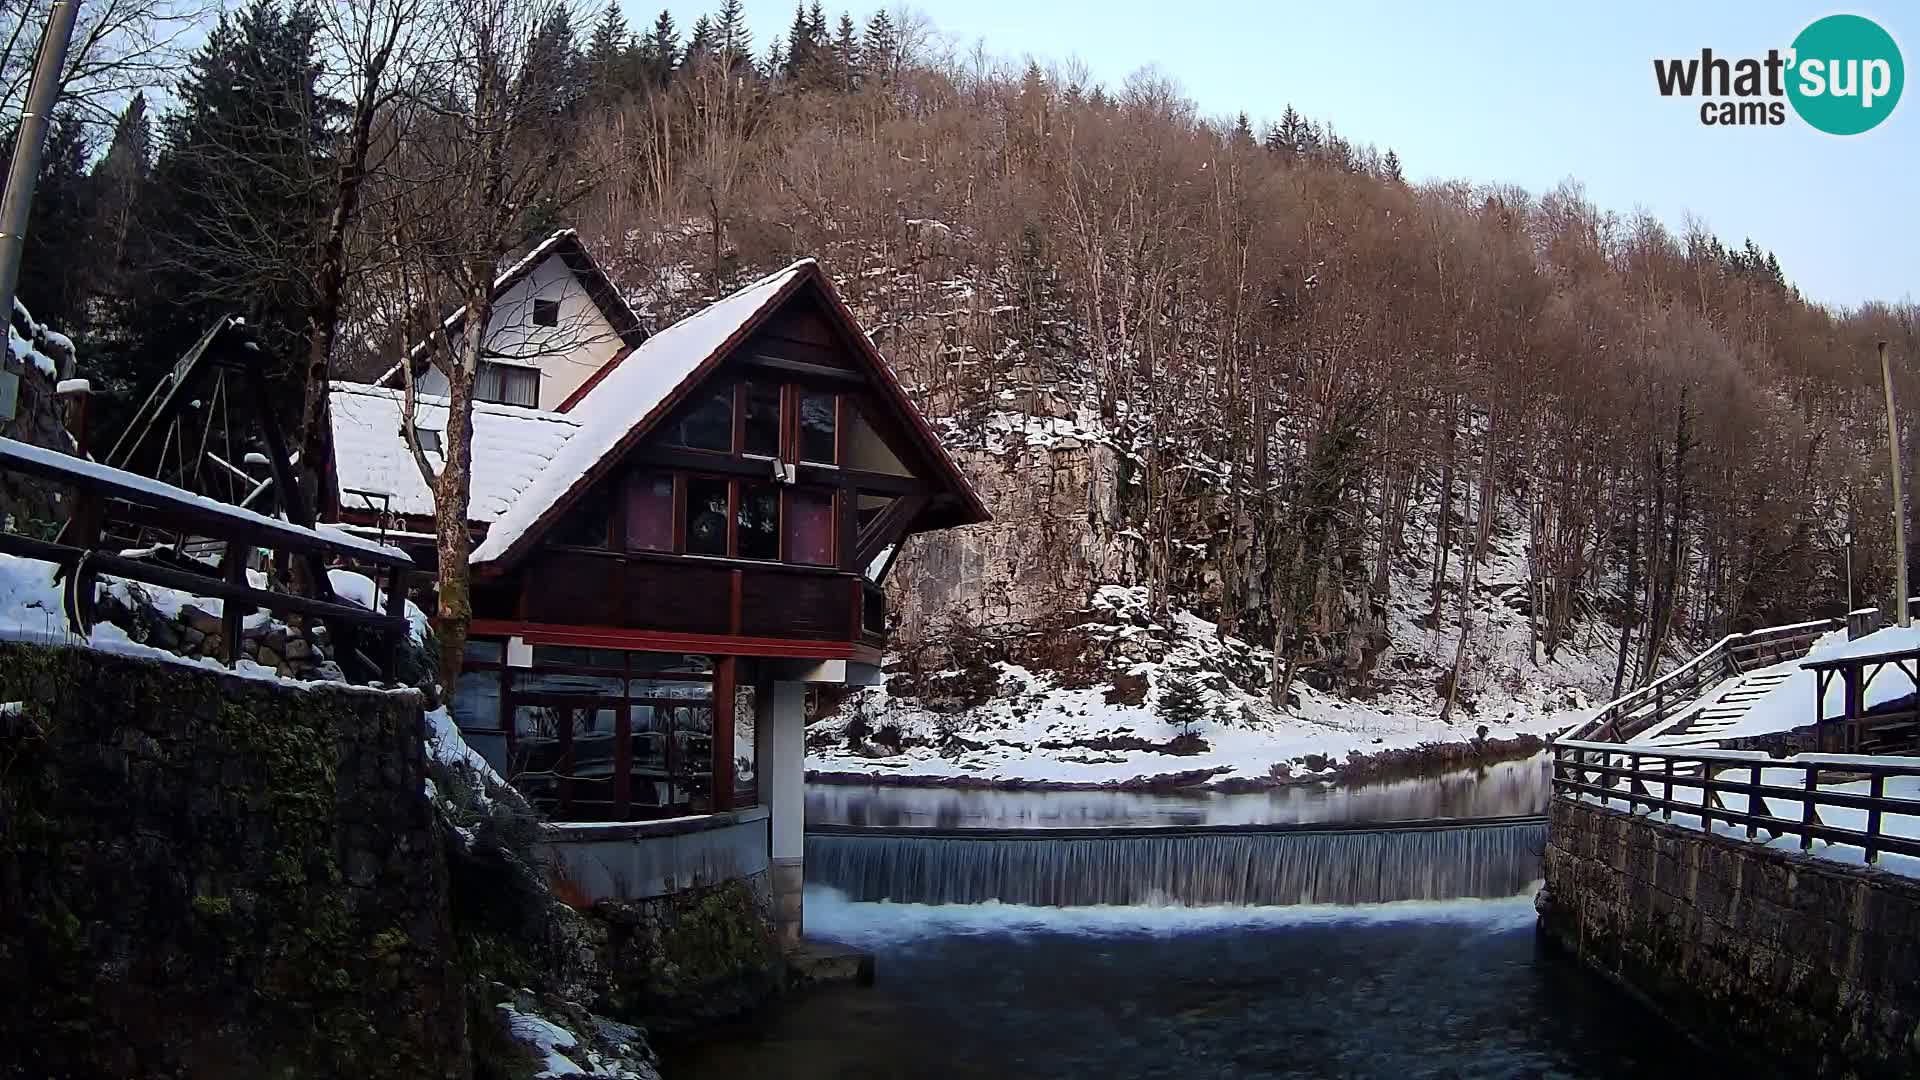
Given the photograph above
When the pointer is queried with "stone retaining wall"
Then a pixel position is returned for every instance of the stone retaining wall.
(1806, 965)
(205, 876)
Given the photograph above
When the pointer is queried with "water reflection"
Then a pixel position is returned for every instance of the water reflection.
(1515, 787)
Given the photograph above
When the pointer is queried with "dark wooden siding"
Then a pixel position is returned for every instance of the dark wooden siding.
(571, 587)
(688, 598)
(815, 607)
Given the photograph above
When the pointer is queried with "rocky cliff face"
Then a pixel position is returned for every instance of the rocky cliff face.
(1056, 535)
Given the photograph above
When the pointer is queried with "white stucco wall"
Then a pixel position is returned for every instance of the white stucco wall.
(566, 354)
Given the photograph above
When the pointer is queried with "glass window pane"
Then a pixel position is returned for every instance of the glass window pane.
(686, 663)
(520, 386)
(476, 700)
(485, 650)
(762, 435)
(759, 521)
(745, 773)
(670, 689)
(649, 787)
(708, 422)
(554, 682)
(816, 427)
(650, 512)
(578, 656)
(810, 527)
(587, 521)
(706, 516)
(692, 757)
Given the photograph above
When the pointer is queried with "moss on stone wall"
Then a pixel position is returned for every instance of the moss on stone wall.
(690, 958)
(210, 876)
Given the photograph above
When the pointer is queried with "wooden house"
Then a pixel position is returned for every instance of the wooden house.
(695, 530)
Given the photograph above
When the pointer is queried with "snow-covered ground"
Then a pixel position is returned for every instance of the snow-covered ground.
(1034, 729)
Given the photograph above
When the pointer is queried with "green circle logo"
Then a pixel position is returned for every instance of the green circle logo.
(1846, 74)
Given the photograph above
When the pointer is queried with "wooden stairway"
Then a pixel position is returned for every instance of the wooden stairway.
(1726, 710)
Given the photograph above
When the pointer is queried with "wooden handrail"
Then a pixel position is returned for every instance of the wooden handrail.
(1647, 776)
(101, 492)
(1622, 718)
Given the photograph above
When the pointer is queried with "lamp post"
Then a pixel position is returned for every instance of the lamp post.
(1847, 539)
(24, 171)
(1899, 500)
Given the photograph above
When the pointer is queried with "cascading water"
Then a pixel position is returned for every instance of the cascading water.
(1429, 861)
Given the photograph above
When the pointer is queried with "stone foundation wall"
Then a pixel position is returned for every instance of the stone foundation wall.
(1808, 966)
(204, 876)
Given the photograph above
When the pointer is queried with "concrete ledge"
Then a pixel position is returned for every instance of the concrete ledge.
(642, 830)
(631, 860)
(814, 963)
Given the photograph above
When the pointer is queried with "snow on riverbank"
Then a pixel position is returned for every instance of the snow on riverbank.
(1038, 728)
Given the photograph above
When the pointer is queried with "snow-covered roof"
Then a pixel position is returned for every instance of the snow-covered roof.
(511, 446)
(628, 396)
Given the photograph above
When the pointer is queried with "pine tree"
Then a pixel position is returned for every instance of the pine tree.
(1390, 169)
(846, 53)
(880, 48)
(117, 181)
(552, 72)
(701, 43)
(1292, 132)
(607, 53)
(1180, 703)
(56, 260)
(1242, 131)
(733, 40)
(778, 66)
(661, 50)
(231, 220)
(800, 44)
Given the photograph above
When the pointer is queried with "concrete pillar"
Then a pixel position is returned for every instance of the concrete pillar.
(782, 773)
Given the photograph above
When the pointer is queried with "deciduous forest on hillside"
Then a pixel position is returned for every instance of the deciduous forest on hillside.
(1322, 387)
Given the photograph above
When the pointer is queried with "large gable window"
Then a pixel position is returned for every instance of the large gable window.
(761, 418)
(759, 536)
(706, 516)
(507, 384)
(819, 416)
(708, 423)
(650, 512)
(810, 527)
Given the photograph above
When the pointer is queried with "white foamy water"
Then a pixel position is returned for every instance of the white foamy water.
(830, 914)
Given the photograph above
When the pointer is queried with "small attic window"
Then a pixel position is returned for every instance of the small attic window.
(428, 438)
(546, 313)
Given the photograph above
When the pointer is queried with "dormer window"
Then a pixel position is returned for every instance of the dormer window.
(506, 384)
(546, 313)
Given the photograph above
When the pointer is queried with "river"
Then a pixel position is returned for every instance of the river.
(1420, 988)
(1501, 790)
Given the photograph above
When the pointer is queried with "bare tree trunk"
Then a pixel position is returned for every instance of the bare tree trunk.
(453, 615)
(1470, 572)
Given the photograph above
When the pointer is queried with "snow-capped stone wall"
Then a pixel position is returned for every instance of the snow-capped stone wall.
(209, 875)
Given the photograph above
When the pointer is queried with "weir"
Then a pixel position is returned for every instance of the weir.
(1251, 865)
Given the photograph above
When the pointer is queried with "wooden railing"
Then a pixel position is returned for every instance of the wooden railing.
(1700, 782)
(101, 493)
(1661, 699)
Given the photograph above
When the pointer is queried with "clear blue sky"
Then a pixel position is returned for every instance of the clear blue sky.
(1527, 93)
